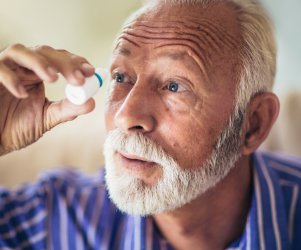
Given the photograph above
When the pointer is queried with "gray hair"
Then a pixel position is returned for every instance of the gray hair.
(257, 51)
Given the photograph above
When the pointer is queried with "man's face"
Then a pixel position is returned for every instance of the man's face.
(174, 76)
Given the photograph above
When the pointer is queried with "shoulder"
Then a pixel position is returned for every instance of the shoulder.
(53, 180)
(53, 189)
(64, 203)
(71, 187)
(72, 177)
(33, 210)
(282, 175)
(286, 167)
(57, 184)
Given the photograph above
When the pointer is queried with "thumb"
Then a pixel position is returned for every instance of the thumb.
(63, 111)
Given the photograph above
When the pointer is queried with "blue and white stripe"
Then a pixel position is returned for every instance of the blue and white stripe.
(67, 209)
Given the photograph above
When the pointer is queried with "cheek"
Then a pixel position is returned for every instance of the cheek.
(109, 118)
(113, 101)
(190, 146)
(119, 91)
(179, 103)
(189, 139)
(191, 135)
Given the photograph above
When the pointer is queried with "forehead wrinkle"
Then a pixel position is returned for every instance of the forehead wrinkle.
(153, 24)
(192, 25)
(198, 48)
(192, 44)
(192, 40)
(199, 58)
(227, 38)
(182, 34)
(203, 33)
(119, 41)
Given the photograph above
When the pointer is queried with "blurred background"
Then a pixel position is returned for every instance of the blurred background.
(88, 28)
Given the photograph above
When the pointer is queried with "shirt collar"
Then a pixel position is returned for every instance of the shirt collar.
(266, 227)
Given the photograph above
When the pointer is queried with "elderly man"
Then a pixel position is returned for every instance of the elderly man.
(188, 104)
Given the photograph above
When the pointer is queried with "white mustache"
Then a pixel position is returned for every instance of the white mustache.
(139, 145)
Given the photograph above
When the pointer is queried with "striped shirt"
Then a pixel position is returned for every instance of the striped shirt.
(67, 209)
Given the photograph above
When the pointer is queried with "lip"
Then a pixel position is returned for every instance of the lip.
(133, 157)
(133, 162)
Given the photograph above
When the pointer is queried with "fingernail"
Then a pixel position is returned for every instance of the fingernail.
(78, 74)
(22, 92)
(51, 71)
(87, 66)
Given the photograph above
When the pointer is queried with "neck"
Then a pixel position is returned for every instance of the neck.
(216, 218)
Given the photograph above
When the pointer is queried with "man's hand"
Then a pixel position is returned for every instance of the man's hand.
(25, 113)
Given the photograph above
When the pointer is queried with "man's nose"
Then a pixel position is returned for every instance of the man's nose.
(135, 113)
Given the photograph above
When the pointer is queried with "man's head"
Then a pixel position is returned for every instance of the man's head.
(183, 76)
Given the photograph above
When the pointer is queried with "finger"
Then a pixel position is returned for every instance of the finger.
(66, 63)
(31, 60)
(63, 110)
(86, 67)
(11, 82)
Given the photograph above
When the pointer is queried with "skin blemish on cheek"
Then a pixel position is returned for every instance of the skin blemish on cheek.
(175, 144)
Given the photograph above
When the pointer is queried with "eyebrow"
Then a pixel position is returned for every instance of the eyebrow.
(124, 51)
(172, 55)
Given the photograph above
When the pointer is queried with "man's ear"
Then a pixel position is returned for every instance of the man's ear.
(261, 114)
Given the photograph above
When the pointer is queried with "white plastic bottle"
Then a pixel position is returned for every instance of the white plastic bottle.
(78, 95)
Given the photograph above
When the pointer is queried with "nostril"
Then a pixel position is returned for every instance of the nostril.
(138, 127)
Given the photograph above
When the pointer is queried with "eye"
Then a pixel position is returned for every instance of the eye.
(175, 87)
(121, 78)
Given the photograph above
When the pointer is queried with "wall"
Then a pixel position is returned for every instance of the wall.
(287, 19)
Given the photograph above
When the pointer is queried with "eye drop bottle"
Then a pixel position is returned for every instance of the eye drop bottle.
(78, 95)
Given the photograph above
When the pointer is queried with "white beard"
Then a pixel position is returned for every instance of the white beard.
(177, 186)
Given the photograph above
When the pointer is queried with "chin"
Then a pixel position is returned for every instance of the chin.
(176, 188)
